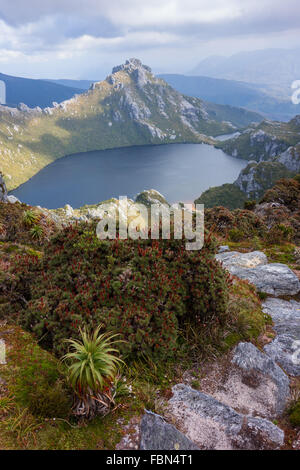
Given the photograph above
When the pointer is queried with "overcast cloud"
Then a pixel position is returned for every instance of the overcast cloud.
(84, 39)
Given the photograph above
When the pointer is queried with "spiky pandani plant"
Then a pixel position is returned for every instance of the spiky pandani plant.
(92, 368)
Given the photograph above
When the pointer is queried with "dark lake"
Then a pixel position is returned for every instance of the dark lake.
(181, 172)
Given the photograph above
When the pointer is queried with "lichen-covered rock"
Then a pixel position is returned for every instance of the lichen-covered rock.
(2, 352)
(259, 434)
(3, 190)
(256, 364)
(274, 278)
(157, 434)
(215, 425)
(252, 259)
(285, 349)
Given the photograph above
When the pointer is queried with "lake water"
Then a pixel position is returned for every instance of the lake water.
(181, 172)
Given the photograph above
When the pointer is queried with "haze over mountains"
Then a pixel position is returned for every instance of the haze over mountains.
(274, 68)
(259, 81)
(234, 93)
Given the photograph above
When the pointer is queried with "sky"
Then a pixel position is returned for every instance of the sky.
(85, 38)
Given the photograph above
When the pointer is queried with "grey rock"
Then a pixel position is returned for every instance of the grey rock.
(151, 196)
(256, 178)
(2, 352)
(130, 65)
(247, 357)
(3, 190)
(69, 210)
(12, 199)
(214, 425)
(274, 278)
(157, 434)
(259, 434)
(291, 158)
(223, 249)
(243, 260)
(285, 349)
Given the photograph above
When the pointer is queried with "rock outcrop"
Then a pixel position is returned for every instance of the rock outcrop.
(291, 158)
(3, 190)
(211, 424)
(157, 434)
(259, 370)
(256, 178)
(285, 348)
(2, 352)
(274, 278)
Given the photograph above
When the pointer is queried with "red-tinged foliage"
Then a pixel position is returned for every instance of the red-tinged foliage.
(144, 290)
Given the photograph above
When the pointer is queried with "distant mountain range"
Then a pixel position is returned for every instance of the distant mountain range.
(81, 84)
(273, 69)
(34, 93)
(234, 93)
(130, 107)
(258, 81)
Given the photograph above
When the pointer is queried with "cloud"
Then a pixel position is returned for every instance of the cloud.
(167, 33)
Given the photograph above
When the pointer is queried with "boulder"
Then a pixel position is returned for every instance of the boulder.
(149, 197)
(69, 210)
(2, 352)
(285, 348)
(3, 190)
(12, 199)
(235, 259)
(215, 425)
(157, 434)
(274, 278)
(261, 372)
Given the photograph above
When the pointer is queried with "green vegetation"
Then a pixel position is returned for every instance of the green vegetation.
(92, 368)
(77, 280)
(30, 217)
(294, 414)
(285, 192)
(82, 280)
(227, 195)
(250, 205)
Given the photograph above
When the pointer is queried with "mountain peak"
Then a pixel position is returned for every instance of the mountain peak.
(140, 73)
(131, 65)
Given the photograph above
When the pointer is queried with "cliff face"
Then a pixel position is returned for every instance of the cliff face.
(256, 178)
(291, 158)
(265, 141)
